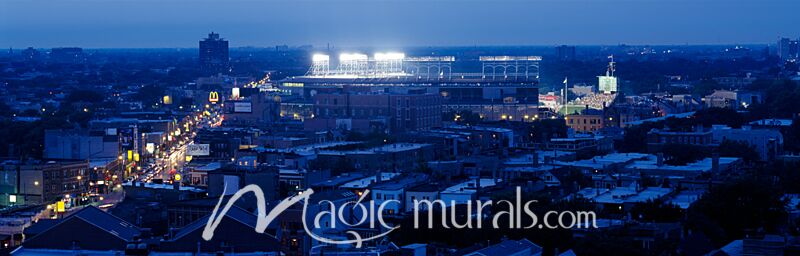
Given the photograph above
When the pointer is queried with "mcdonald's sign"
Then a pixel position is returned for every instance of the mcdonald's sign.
(213, 97)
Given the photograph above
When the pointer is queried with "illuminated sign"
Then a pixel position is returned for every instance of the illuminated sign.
(293, 84)
(235, 93)
(242, 107)
(607, 84)
(213, 97)
(197, 150)
(150, 147)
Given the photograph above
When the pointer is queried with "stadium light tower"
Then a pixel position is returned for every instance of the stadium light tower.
(353, 63)
(390, 62)
(320, 64)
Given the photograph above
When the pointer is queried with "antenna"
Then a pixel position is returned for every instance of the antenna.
(611, 69)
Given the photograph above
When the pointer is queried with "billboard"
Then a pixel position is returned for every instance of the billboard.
(607, 84)
(150, 147)
(235, 93)
(197, 149)
(242, 107)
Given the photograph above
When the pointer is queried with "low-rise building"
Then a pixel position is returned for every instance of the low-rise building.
(654, 166)
(509, 247)
(604, 163)
(465, 191)
(390, 157)
(621, 199)
(768, 143)
(100, 232)
(36, 182)
(391, 194)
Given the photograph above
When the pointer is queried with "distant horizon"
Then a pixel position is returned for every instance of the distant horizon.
(333, 47)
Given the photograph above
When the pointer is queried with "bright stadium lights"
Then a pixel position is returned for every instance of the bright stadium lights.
(389, 56)
(320, 64)
(352, 57)
(320, 57)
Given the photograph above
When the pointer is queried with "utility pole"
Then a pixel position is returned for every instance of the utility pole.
(564, 96)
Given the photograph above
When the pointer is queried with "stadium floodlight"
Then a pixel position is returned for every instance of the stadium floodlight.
(320, 57)
(352, 57)
(510, 58)
(390, 56)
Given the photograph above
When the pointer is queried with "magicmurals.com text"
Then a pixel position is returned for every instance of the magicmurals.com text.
(372, 214)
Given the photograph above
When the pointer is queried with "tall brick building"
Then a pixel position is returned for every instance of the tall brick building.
(392, 110)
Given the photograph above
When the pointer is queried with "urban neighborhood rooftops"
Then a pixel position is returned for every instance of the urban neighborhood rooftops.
(469, 187)
(605, 161)
(621, 195)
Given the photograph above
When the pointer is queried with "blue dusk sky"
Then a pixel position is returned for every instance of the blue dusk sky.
(349, 23)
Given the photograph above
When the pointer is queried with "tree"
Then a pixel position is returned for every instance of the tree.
(5, 110)
(730, 210)
(543, 130)
(341, 166)
(635, 138)
(150, 94)
(84, 96)
(730, 148)
(705, 87)
(712, 116)
(682, 154)
(656, 211)
(792, 136)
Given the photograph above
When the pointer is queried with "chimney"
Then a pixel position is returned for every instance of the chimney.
(660, 159)
(715, 162)
(535, 158)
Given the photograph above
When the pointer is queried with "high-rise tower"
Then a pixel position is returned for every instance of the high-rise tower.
(214, 54)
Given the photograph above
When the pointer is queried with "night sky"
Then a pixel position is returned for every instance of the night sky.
(181, 23)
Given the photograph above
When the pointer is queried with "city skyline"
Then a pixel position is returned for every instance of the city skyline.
(399, 127)
(358, 23)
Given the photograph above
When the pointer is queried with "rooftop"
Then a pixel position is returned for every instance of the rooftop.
(340, 179)
(773, 122)
(365, 182)
(468, 187)
(620, 195)
(703, 165)
(656, 119)
(601, 162)
(509, 247)
(527, 159)
(389, 148)
(164, 186)
(686, 198)
(400, 183)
